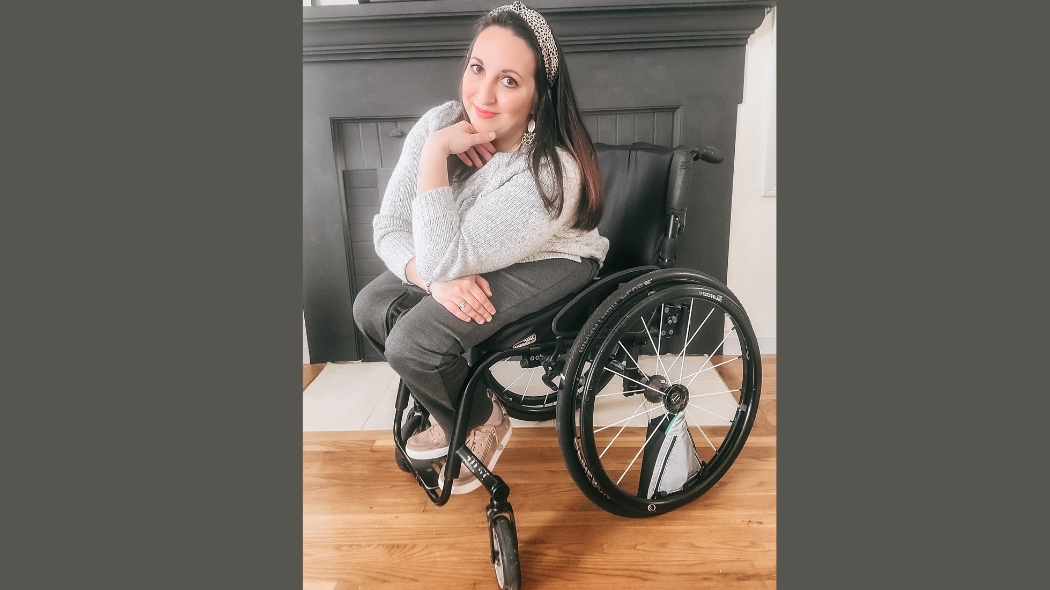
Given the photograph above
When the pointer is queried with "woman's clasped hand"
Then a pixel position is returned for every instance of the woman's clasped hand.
(465, 142)
(471, 289)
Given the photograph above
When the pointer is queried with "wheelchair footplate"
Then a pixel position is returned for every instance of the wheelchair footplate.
(428, 470)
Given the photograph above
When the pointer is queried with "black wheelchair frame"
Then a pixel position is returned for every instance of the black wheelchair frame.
(583, 337)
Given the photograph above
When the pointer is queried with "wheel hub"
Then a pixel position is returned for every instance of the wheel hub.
(676, 398)
(658, 383)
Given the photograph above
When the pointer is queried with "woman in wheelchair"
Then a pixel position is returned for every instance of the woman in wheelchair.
(489, 215)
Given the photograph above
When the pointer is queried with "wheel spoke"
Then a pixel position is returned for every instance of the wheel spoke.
(505, 388)
(633, 359)
(691, 395)
(714, 366)
(646, 443)
(660, 337)
(532, 373)
(710, 412)
(697, 424)
(724, 338)
(686, 346)
(628, 419)
(645, 325)
(618, 433)
(689, 340)
(549, 391)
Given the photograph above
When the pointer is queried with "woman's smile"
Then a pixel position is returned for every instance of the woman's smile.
(483, 113)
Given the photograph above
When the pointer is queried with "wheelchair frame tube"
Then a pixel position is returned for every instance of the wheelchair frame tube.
(458, 452)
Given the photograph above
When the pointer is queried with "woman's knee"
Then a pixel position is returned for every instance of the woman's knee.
(400, 349)
(361, 307)
(370, 307)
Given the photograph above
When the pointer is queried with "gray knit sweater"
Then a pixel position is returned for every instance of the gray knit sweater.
(491, 220)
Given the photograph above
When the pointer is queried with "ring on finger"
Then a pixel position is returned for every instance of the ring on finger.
(462, 305)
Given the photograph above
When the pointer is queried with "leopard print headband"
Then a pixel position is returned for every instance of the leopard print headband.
(542, 32)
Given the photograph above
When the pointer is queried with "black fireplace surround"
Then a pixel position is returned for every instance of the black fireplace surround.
(669, 72)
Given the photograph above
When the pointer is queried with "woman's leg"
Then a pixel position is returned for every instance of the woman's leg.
(376, 306)
(426, 345)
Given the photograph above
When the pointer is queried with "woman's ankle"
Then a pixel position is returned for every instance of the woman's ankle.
(495, 417)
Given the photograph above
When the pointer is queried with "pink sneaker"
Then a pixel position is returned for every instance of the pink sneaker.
(487, 443)
(429, 444)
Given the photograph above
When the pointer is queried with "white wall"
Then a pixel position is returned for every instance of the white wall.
(753, 230)
(306, 347)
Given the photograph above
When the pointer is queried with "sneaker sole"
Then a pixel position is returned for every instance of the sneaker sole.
(431, 454)
(474, 482)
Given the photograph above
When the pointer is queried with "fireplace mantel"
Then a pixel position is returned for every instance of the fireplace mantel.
(406, 30)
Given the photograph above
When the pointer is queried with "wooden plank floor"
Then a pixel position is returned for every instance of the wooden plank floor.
(368, 525)
(310, 372)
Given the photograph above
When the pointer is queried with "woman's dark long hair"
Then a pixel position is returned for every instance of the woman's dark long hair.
(558, 124)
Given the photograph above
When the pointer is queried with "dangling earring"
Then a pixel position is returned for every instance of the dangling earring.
(528, 137)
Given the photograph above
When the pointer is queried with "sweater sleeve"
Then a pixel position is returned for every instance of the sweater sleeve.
(504, 226)
(392, 227)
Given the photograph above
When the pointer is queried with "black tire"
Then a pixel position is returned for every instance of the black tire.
(506, 561)
(522, 391)
(628, 320)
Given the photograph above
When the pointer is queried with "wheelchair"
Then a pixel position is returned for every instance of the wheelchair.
(609, 365)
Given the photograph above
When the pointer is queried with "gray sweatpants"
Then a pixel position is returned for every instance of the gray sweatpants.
(426, 345)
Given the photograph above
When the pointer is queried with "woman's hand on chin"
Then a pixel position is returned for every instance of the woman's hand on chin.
(463, 141)
(472, 289)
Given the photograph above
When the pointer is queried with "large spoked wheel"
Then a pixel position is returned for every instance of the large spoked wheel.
(522, 390)
(669, 423)
(505, 553)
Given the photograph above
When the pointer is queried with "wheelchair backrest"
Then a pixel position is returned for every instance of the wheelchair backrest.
(641, 186)
(642, 183)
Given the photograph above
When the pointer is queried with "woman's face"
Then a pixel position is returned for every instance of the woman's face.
(499, 85)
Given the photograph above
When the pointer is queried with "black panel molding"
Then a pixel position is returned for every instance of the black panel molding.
(404, 31)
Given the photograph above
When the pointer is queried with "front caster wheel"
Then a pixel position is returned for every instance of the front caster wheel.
(505, 553)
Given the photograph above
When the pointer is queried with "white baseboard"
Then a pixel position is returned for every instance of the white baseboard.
(766, 345)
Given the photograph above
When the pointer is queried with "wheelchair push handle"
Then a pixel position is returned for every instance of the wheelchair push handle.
(681, 173)
(707, 154)
(678, 198)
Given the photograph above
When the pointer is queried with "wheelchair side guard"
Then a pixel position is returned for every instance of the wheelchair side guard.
(674, 276)
(571, 318)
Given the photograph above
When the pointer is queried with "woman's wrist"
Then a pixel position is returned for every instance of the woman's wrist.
(414, 278)
(433, 166)
(436, 148)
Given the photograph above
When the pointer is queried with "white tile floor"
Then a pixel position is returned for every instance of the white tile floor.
(360, 396)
